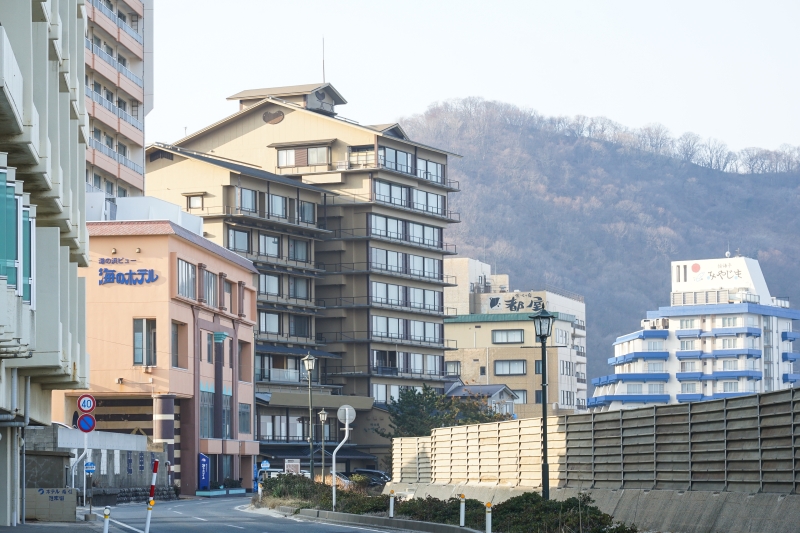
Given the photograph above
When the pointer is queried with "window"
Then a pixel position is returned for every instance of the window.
(655, 388)
(561, 337)
(425, 299)
(634, 388)
(730, 365)
(687, 345)
(248, 200)
(122, 192)
(386, 227)
(730, 386)
(299, 326)
(452, 368)
(433, 365)
(395, 159)
(430, 171)
(566, 368)
(655, 346)
(318, 155)
(393, 328)
(379, 393)
(269, 284)
(522, 396)
(174, 345)
(277, 206)
(427, 235)
(227, 422)
(244, 418)
(210, 348)
(389, 193)
(537, 396)
(426, 331)
(186, 279)
(268, 322)
(122, 149)
(97, 180)
(687, 323)
(109, 188)
(387, 293)
(688, 388)
(386, 260)
(210, 287)
(269, 245)
(752, 321)
(537, 366)
(206, 415)
(483, 371)
(416, 363)
(509, 368)
(298, 288)
(144, 342)
(298, 250)
(507, 336)
(688, 366)
(306, 212)
(286, 158)
(244, 362)
(728, 344)
(655, 367)
(427, 201)
(567, 397)
(425, 266)
(728, 321)
(238, 240)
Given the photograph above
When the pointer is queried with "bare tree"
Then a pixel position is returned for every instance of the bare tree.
(687, 147)
(655, 138)
(713, 154)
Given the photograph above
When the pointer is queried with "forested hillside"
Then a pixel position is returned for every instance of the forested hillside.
(589, 206)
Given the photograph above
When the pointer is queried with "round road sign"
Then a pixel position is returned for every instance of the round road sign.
(86, 403)
(86, 423)
(264, 464)
(89, 467)
(346, 414)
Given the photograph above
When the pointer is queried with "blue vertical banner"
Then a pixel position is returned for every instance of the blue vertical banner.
(141, 461)
(130, 462)
(203, 472)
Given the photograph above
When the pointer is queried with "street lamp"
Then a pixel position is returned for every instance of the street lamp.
(323, 417)
(308, 362)
(543, 322)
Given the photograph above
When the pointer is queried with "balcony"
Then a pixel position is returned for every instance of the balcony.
(357, 302)
(580, 377)
(288, 338)
(688, 354)
(732, 374)
(790, 357)
(390, 371)
(734, 352)
(791, 378)
(116, 111)
(349, 199)
(352, 234)
(119, 158)
(233, 211)
(734, 331)
(400, 339)
(789, 336)
(689, 376)
(389, 270)
(11, 89)
(599, 401)
(287, 300)
(636, 356)
(633, 376)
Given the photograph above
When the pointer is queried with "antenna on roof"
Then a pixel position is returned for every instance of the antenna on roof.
(728, 253)
(323, 60)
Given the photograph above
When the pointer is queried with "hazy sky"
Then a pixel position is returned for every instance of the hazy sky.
(725, 69)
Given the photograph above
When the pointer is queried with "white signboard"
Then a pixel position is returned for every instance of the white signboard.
(292, 466)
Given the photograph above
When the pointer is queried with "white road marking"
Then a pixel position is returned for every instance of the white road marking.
(178, 512)
(198, 518)
(237, 527)
(125, 525)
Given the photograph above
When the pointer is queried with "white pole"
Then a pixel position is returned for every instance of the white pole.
(391, 504)
(106, 518)
(488, 517)
(151, 501)
(462, 511)
(333, 466)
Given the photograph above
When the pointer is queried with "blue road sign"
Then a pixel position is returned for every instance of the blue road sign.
(89, 467)
(87, 423)
(264, 464)
(203, 472)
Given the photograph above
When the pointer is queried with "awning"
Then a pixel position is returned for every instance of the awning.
(285, 350)
(302, 453)
(263, 397)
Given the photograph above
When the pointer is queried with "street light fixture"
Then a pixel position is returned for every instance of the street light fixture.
(543, 322)
(323, 417)
(308, 362)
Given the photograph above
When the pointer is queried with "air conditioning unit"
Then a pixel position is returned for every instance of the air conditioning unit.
(646, 324)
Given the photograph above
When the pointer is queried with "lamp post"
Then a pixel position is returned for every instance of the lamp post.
(543, 322)
(323, 417)
(308, 362)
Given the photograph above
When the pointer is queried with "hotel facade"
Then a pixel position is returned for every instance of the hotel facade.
(723, 335)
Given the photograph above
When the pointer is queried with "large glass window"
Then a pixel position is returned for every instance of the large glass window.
(286, 158)
(299, 288)
(634, 388)
(426, 331)
(210, 284)
(522, 396)
(144, 342)
(306, 212)
(730, 386)
(386, 260)
(452, 368)
(688, 388)
(687, 345)
(238, 240)
(318, 155)
(427, 201)
(298, 250)
(387, 227)
(277, 206)
(391, 193)
(269, 245)
(269, 284)
(396, 159)
(387, 293)
(390, 327)
(299, 326)
(429, 170)
(655, 346)
(379, 392)
(507, 336)
(510, 368)
(433, 365)
(269, 322)
(244, 418)
(174, 344)
(249, 200)
(206, 415)
(227, 420)
(425, 299)
(187, 282)
(425, 266)
(687, 323)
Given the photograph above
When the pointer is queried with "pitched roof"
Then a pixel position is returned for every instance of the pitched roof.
(240, 168)
(503, 317)
(289, 90)
(478, 390)
(124, 228)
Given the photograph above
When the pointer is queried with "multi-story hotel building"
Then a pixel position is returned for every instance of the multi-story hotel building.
(43, 237)
(118, 94)
(497, 341)
(722, 335)
(380, 210)
(170, 329)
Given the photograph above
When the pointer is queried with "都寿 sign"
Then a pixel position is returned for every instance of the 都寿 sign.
(515, 302)
(131, 277)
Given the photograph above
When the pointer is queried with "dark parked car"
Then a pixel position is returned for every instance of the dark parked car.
(379, 474)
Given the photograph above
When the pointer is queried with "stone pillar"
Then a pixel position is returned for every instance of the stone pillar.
(164, 424)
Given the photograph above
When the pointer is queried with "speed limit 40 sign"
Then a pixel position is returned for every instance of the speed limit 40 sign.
(86, 403)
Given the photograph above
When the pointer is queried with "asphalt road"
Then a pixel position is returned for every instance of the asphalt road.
(224, 515)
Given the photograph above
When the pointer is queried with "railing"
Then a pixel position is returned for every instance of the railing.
(285, 337)
(229, 210)
(402, 305)
(346, 198)
(130, 75)
(277, 260)
(298, 438)
(390, 270)
(364, 233)
(108, 58)
(390, 338)
(124, 161)
(105, 56)
(130, 31)
(98, 4)
(291, 300)
(106, 150)
(387, 370)
(427, 176)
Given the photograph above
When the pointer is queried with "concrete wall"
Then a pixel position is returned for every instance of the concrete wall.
(745, 444)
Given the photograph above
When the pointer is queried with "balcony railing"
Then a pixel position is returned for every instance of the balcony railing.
(106, 150)
(229, 210)
(350, 302)
(108, 58)
(400, 271)
(286, 337)
(98, 4)
(346, 198)
(389, 338)
(340, 371)
(130, 75)
(366, 233)
(97, 145)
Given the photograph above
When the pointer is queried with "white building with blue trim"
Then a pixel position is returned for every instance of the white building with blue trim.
(723, 335)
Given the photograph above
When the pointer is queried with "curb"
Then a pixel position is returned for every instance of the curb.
(364, 520)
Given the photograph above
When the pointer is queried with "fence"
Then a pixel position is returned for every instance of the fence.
(744, 444)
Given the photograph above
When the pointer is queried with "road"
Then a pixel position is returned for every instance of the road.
(224, 515)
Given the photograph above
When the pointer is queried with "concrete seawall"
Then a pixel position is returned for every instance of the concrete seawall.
(673, 511)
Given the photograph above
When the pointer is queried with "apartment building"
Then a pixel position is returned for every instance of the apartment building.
(43, 237)
(497, 341)
(118, 87)
(723, 335)
(379, 236)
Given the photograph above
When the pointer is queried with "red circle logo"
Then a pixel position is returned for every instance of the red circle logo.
(695, 268)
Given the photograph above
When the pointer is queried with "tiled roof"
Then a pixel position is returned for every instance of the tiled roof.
(126, 228)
